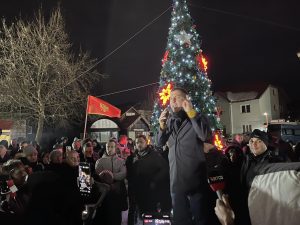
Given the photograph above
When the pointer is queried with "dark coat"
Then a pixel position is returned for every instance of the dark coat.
(148, 180)
(247, 174)
(186, 156)
(5, 158)
(248, 170)
(55, 198)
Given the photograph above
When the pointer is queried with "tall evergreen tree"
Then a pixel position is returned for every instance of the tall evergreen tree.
(183, 65)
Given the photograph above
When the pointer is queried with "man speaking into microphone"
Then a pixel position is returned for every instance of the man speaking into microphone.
(185, 130)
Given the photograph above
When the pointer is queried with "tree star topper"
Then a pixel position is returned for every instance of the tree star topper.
(164, 94)
(183, 38)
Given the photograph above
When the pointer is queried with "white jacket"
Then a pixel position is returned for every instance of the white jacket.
(274, 197)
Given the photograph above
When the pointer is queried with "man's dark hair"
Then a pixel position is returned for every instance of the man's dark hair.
(180, 89)
(4, 143)
(142, 136)
(57, 146)
(86, 141)
(113, 141)
(87, 145)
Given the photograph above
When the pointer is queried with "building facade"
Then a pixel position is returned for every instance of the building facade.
(244, 111)
(132, 123)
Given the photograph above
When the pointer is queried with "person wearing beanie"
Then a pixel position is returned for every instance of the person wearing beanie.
(258, 142)
(259, 154)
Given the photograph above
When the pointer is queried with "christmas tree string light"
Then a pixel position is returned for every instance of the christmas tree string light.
(184, 65)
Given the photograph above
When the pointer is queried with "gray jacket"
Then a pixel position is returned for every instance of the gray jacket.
(186, 156)
(114, 164)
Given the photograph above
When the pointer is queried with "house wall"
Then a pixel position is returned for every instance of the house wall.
(225, 117)
(253, 118)
(17, 131)
(269, 103)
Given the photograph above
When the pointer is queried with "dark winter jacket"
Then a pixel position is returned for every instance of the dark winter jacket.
(55, 198)
(248, 171)
(5, 158)
(185, 139)
(148, 180)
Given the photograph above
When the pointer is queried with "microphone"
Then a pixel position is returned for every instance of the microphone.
(217, 184)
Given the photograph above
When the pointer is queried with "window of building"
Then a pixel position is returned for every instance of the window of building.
(297, 132)
(247, 128)
(245, 108)
(274, 92)
(275, 108)
(288, 131)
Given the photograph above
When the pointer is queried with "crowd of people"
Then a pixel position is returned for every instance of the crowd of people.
(40, 187)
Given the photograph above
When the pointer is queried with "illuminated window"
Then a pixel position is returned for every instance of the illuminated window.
(245, 108)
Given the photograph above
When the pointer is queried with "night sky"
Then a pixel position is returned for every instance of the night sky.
(245, 41)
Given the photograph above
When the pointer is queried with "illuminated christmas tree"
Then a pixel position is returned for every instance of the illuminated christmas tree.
(184, 65)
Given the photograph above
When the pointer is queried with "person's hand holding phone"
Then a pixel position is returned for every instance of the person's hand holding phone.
(163, 118)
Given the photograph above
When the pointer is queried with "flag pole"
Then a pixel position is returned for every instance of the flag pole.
(86, 114)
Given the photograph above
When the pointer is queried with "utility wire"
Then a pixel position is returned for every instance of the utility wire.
(153, 21)
(247, 17)
(112, 93)
(129, 89)
(112, 52)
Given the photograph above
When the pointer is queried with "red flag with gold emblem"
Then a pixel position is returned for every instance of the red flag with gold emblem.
(99, 107)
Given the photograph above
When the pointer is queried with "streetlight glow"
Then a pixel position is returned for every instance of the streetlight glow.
(267, 122)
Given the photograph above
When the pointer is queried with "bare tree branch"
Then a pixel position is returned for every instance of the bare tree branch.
(35, 61)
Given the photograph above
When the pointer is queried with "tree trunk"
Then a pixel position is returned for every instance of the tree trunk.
(40, 128)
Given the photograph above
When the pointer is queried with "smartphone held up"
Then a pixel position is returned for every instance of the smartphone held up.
(84, 179)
